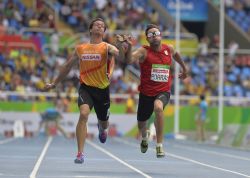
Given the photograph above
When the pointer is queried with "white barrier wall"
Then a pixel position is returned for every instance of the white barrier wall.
(30, 120)
(246, 139)
(122, 122)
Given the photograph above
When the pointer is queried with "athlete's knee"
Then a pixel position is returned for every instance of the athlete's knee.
(106, 117)
(103, 115)
(158, 106)
(84, 114)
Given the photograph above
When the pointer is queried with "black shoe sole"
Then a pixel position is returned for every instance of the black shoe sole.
(161, 156)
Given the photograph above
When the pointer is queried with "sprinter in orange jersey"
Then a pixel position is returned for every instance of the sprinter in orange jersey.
(94, 64)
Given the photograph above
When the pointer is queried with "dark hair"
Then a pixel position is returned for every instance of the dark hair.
(202, 97)
(149, 26)
(97, 19)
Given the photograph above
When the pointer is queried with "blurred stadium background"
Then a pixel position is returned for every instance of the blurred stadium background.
(37, 36)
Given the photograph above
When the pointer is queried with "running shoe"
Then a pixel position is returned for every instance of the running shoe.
(144, 146)
(79, 158)
(160, 152)
(144, 143)
(102, 135)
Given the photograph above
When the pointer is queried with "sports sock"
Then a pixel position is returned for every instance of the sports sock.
(159, 144)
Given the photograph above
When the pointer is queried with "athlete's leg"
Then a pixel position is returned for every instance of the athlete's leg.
(85, 104)
(159, 124)
(102, 105)
(102, 112)
(159, 120)
(159, 104)
(102, 127)
(81, 128)
(142, 126)
(145, 110)
(161, 101)
(103, 124)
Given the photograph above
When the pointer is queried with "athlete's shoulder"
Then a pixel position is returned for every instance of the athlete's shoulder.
(81, 45)
(167, 46)
(107, 44)
(142, 51)
(103, 43)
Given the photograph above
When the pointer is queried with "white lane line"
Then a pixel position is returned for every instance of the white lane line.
(39, 161)
(118, 159)
(212, 152)
(93, 177)
(188, 159)
(207, 165)
(62, 176)
(70, 158)
(6, 140)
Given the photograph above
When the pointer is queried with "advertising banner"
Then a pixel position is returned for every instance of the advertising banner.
(191, 10)
(119, 123)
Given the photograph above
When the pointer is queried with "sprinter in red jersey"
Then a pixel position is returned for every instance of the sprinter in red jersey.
(155, 61)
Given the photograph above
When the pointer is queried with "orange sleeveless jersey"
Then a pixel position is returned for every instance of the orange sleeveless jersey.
(93, 64)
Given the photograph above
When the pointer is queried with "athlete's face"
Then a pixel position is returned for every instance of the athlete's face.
(154, 36)
(98, 28)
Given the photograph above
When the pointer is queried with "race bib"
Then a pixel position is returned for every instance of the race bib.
(160, 73)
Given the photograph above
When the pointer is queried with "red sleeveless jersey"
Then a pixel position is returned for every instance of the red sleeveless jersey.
(155, 71)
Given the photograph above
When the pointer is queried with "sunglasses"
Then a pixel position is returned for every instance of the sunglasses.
(156, 33)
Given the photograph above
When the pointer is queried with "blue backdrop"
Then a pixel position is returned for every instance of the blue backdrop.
(191, 10)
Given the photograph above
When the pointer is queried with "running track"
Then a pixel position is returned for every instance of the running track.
(52, 157)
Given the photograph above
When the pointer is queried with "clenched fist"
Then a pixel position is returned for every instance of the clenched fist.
(124, 40)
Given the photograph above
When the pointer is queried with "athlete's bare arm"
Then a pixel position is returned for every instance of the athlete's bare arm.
(111, 66)
(119, 53)
(65, 69)
(131, 57)
(177, 58)
(137, 55)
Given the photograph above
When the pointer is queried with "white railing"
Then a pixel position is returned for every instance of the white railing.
(133, 70)
(238, 101)
(43, 30)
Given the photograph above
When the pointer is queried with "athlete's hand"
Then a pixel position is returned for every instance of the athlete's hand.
(124, 40)
(119, 38)
(183, 75)
(49, 86)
